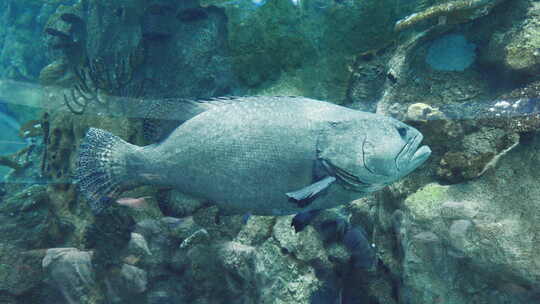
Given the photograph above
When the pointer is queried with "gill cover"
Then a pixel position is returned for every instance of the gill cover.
(363, 154)
(339, 149)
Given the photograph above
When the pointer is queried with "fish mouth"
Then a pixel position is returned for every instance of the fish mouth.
(412, 155)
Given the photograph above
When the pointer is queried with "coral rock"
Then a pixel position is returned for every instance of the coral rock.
(54, 74)
(70, 271)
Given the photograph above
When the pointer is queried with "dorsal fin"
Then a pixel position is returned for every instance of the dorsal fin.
(173, 109)
(162, 116)
(227, 100)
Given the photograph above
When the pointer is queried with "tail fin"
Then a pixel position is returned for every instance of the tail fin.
(101, 167)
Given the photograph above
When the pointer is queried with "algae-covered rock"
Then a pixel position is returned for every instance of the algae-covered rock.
(19, 272)
(240, 262)
(425, 201)
(256, 230)
(304, 47)
(127, 282)
(28, 220)
(108, 236)
(70, 271)
(306, 245)
(137, 248)
(55, 73)
(282, 279)
(449, 12)
(265, 274)
(514, 47)
(481, 150)
(22, 51)
(489, 225)
(423, 112)
(184, 228)
(191, 61)
(154, 247)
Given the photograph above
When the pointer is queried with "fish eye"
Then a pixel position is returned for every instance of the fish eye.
(402, 131)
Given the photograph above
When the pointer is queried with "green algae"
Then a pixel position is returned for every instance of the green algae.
(424, 203)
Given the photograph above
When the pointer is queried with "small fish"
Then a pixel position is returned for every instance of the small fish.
(362, 253)
(54, 32)
(302, 219)
(71, 18)
(290, 154)
(135, 203)
(245, 218)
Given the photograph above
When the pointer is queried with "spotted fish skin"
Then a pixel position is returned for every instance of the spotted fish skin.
(246, 153)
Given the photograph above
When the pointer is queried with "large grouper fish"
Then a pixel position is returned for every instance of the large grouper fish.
(258, 155)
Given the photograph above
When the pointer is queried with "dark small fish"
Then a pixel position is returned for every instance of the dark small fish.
(71, 18)
(57, 33)
(333, 230)
(192, 14)
(245, 218)
(362, 254)
(302, 219)
(391, 77)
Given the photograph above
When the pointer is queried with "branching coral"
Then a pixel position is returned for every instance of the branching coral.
(96, 77)
(11, 160)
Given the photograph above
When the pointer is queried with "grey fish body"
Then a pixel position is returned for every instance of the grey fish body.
(246, 154)
(254, 152)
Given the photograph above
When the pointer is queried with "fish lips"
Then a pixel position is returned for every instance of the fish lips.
(412, 155)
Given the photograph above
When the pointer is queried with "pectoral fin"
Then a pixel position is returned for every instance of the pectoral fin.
(308, 194)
